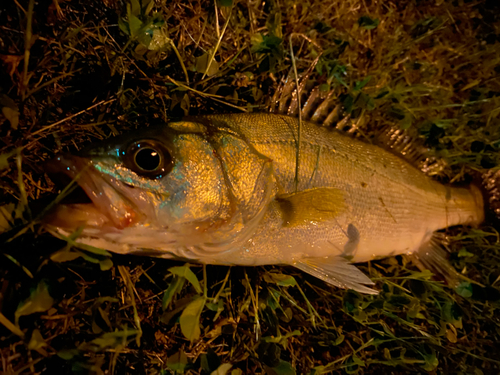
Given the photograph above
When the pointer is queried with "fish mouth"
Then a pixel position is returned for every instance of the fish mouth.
(90, 198)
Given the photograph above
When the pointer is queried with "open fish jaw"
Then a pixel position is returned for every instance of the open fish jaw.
(112, 205)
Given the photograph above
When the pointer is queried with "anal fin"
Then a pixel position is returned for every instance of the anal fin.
(337, 271)
(433, 255)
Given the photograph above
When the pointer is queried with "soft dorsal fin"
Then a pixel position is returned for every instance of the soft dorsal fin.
(325, 108)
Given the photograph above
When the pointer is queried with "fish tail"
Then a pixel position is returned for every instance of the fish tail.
(491, 183)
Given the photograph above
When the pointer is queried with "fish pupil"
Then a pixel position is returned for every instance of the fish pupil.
(148, 159)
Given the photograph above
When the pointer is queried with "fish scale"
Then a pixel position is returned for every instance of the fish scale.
(226, 192)
(394, 206)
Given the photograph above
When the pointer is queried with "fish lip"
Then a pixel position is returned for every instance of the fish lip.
(108, 207)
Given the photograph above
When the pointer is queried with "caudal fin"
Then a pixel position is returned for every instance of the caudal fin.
(491, 180)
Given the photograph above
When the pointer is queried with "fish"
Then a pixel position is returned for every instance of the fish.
(228, 189)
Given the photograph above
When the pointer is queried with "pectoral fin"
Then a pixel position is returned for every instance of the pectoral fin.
(318, 205)
(338, 272)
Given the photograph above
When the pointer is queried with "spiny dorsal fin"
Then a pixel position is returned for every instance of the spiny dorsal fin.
(321, 107)
(325, 108)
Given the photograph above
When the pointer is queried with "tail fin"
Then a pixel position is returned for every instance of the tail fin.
(491, 181)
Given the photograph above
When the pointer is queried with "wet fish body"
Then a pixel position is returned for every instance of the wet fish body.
(224, 189)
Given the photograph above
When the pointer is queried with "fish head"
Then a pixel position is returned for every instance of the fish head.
(162, 191)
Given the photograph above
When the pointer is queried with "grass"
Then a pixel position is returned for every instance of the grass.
(79, 72)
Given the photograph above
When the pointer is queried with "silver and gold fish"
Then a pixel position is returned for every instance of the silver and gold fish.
(223, 189)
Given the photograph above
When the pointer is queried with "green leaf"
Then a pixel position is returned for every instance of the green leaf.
(64, 256)
(280, 279)
(338, 76)
(339, 340)
(9, 213)
(359, 85)
(283, 368)
(368, 23)
(135, 7)
(106, 264)
(397, 113)
(190, 319)
(266, 44)
(201, 64)
(123, 25)
(463, 253)
(282, 339)
(185, 271)
(363, 101)
(37, 342)
(144, 39)
(351, 301)
(324, 87)
(177, 362)
(174, 288)
(135, 25)
(273, 24)
(382, 93)
(89, 253)
(111, 340)
(39, 301)
(68, 354)
(147, 6)
(4, 163)
(210, 361)
(10, 110)
(4, 159)
(222, 369)
(95, 250)
(431, 362)
(406, 122)
(159, 41)
(348, 102)
(225, 3)
(464, 289)
(12, 115)
(353, 364)
(451, 313)
(358, 361)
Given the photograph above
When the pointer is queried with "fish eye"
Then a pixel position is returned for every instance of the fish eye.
(148, 158)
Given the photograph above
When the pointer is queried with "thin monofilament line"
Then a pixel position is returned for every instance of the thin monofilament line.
(297, 153)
